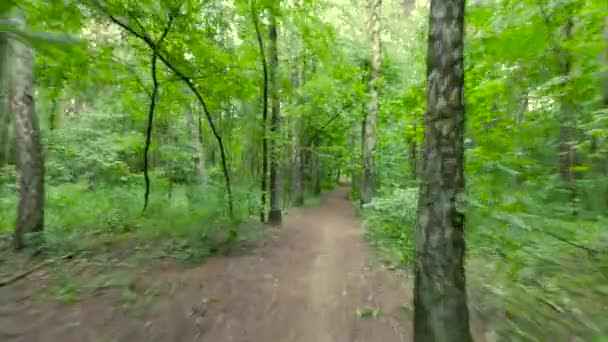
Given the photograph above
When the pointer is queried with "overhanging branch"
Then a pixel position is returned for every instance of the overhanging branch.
(145, 37)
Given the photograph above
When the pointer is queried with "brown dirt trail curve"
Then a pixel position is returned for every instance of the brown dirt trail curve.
(305, 285)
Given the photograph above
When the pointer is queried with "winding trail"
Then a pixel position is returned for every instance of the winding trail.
(305, 285)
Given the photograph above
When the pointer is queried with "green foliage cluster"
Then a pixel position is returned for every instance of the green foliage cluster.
(391, 220)
(93, 96)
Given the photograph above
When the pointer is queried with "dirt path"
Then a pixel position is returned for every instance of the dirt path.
(305, 285)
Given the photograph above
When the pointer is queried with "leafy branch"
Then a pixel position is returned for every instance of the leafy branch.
(157, 51)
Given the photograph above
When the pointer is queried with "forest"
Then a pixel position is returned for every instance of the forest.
(304, 170)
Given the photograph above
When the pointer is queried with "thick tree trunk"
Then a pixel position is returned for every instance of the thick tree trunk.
(30, 215)
(274, 216)
(440, 299)
(368, 185)
(197, 143)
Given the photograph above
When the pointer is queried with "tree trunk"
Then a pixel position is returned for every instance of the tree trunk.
(197, 143)
(5, 116)
(369, 125)
(567, 153)
(316, 171)
(605, 36)
(298, 174)
(413, 147)
(440, 299)
(30, 214)
(353, 162)
(297, 79)
(264, 172)
(274, 216)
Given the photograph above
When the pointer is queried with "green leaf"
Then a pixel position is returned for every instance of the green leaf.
(368, 313)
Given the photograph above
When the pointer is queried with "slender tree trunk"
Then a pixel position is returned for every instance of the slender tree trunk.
(297, 79)
(5, 116)
(30, 215)
(353, 162)
(369, 126)
(264, 172)
(605, 35)
(197, 143)
(567, 153)
(274, 216)
(440, 299)
(604, 157)
(316, 171)
(413, 146)
(298, 174)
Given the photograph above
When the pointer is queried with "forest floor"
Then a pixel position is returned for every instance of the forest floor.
(314, 280)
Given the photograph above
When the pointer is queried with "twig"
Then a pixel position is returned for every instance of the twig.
(592, 252)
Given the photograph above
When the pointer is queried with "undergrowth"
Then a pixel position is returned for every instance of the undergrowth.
(531, 277)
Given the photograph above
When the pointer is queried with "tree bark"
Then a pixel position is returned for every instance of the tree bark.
(440, 299)
(30, 214)
(274, 216)
(368, 185)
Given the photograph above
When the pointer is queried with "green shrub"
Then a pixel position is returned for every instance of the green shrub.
(390, 224)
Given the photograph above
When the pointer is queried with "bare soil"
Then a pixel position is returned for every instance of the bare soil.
(312, 282)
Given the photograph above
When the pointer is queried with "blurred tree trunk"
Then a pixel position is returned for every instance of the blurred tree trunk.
(5, 115)
(297, 79)
(413, 147)
(605, 35)
(605, 95)
(298, 171)
(274, 215)
(315, 170)
(369, 124)
(440, 299)
(264, 171)
(197, 143)
(30, 214)
(567, 153)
